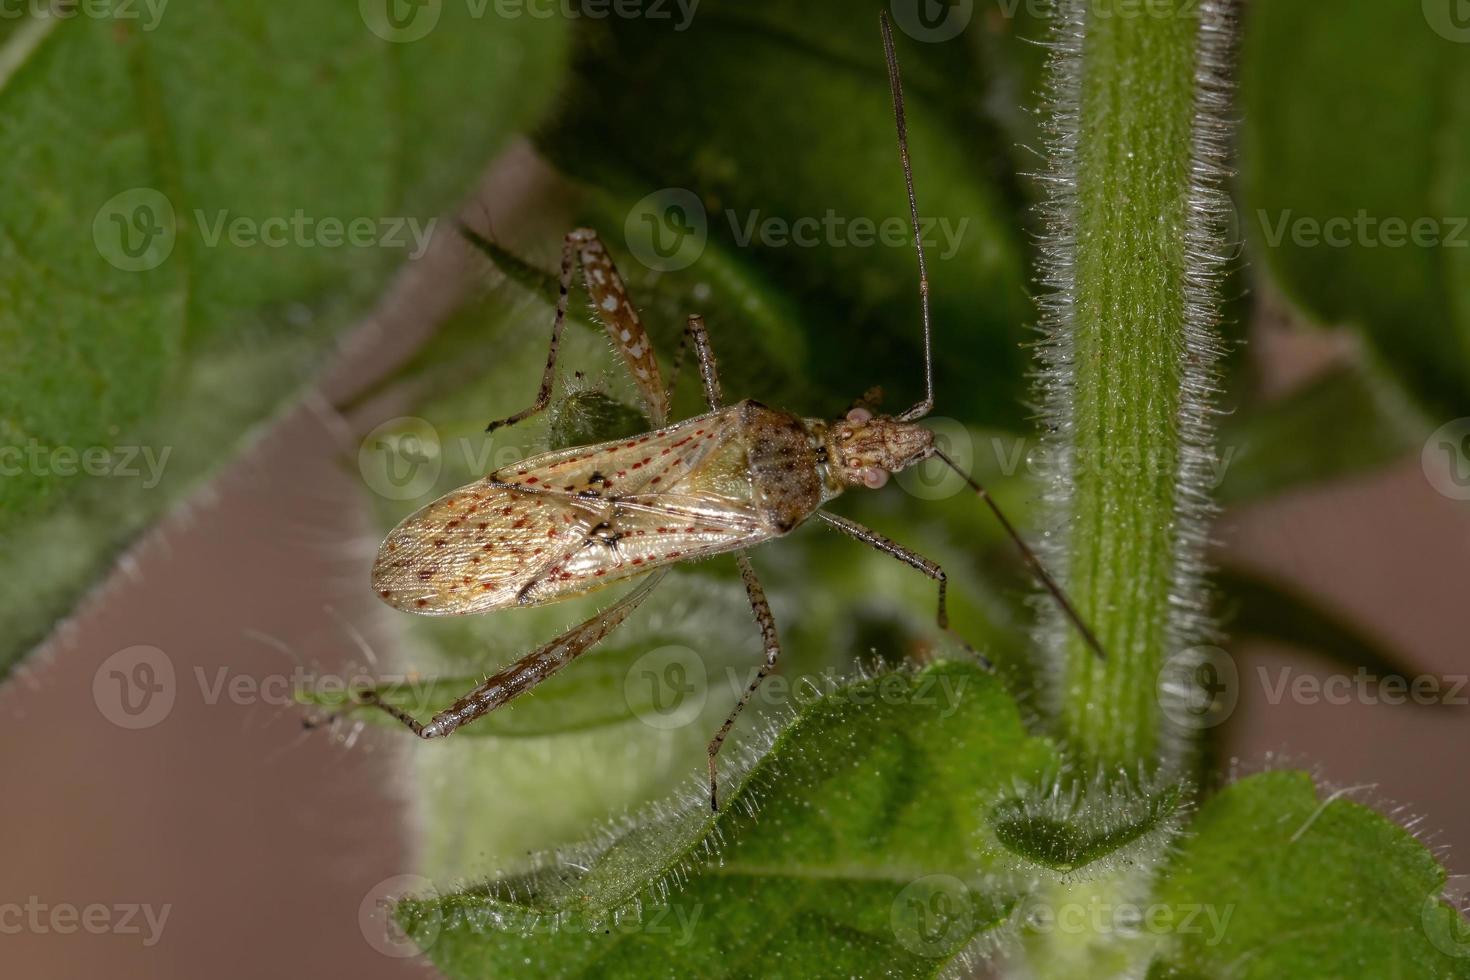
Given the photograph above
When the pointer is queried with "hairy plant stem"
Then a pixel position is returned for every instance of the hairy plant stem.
(1132, 262)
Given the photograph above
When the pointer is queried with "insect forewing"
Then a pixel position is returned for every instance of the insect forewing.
(574, 520)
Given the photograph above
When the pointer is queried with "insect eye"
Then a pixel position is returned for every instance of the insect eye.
(859, 415)
(875, 478)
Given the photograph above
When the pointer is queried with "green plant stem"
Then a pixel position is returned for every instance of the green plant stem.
(1129, 373)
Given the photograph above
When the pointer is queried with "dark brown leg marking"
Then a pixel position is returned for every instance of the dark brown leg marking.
(913, 560)
(772, 643)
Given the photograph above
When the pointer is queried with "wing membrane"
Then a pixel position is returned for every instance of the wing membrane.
(574, 520)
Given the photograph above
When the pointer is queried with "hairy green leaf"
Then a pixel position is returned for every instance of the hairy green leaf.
(848, 850)
(169, 288)
(1276, 881)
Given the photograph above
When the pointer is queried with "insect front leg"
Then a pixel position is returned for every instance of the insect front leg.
(913, 560)
(772, 643)
(709, 371)
(522, 675)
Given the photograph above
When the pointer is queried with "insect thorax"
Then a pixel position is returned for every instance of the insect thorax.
(787, 459)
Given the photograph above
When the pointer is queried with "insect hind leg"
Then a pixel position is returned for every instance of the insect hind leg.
(615, 312)
(521, 676)
(914, 560)
(767, 623)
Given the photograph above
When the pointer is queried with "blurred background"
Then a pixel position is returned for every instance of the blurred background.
(234, 279)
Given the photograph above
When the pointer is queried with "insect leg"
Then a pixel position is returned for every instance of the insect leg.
(525, 673)
(548, 374)
(621, 321)
(910, 558)
(709, 372)
(767, 624)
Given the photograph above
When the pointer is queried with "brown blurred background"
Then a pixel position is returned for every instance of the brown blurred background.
(263, 842)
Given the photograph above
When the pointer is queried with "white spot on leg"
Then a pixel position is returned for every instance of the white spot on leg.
(637, 349)
(625, 336)
(610, 303)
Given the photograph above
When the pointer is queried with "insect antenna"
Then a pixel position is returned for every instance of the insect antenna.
(895, 85)
(1037, 568)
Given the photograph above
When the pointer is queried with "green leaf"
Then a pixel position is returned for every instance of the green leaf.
(1314, 118)
(1348, 421)
(140, 329)
(1277, 882)
(1064, 829)
(848, 850)
(679, 127)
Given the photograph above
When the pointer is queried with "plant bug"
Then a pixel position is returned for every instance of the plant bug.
(567, 522)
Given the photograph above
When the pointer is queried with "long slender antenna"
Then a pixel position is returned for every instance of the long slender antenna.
(1037, 567)
(895, 84)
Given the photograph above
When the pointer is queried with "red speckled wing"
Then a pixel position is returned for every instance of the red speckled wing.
(571, 521)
